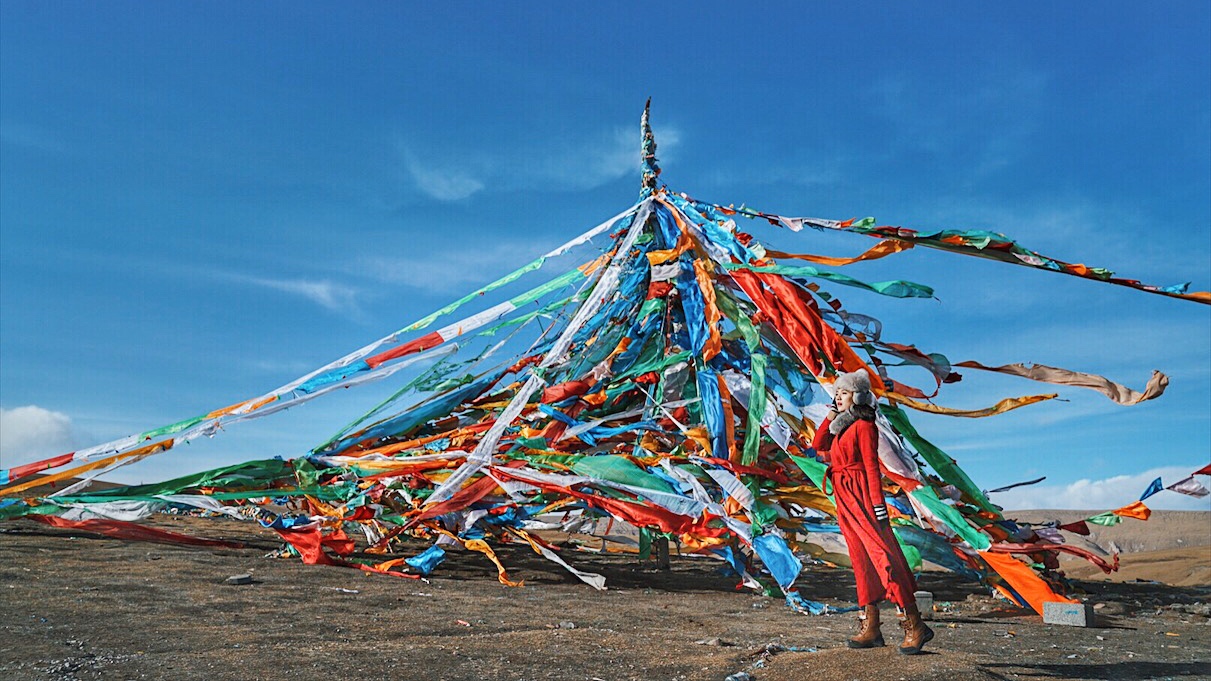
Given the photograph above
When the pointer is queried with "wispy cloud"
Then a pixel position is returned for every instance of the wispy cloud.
(450, 269)
(31, 433)
(1107, 493)
(441, 183)
(332, 296)
(447, 173)
(600, 158)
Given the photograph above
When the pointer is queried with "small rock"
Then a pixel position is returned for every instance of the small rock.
(1110, 608)
(741, 676)
(1203, 609)
(567, 625)
(239, 579)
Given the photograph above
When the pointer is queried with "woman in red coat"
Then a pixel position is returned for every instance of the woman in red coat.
(849, 441)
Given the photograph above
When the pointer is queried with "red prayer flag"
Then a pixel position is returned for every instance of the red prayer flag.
(1079, 527)
(121, 529)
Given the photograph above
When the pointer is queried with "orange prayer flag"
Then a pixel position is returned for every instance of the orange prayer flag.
(880, 250)
(1134, 510)
(1023, 580)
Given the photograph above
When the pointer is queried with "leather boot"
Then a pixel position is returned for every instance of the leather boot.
(869, 635)
(916, 634)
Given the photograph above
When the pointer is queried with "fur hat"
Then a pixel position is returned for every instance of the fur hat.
(858, 383)
(855, 382)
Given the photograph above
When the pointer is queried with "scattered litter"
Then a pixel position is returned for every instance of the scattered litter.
(775, 648)
(714, 642)
(239, 579)
(567, 625)
(465, 623)
(346, 591)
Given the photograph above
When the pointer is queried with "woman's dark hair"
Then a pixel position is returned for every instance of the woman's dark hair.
(863, 411)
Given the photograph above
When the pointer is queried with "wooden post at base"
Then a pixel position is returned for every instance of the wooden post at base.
(662, 553)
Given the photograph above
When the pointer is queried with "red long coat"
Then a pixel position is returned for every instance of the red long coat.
(879, 565)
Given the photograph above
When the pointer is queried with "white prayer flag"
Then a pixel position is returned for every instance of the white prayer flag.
(1189, 486)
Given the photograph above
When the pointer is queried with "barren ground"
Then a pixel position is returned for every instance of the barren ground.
(75, 606)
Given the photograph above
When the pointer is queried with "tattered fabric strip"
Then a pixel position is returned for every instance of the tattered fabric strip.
(1056, 376)
(880, 250)
(119, 529)
(1097, 560)
(980, 243)
(895, 289)
(1007, 404)
(100, 463)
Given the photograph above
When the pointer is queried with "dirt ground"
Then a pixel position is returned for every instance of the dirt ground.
(76, 606)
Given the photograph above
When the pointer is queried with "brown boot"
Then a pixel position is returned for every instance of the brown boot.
(869, 635)
(916, 634)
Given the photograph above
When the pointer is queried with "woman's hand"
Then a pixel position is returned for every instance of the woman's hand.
(832, 414)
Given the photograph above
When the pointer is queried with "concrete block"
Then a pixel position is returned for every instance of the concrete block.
(924, 603)
(1068, 614)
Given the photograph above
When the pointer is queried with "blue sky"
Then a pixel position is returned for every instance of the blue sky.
(202, 201)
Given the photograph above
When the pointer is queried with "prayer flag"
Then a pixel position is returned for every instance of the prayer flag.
(1155, 487)
(1105, 519)
(1079, 527)
(1189, 486)
(1135, 510)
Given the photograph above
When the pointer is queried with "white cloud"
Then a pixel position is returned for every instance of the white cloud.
(1108, 493)
(336, 297)
(566, 164)
(326, 293)
(603, 157)
(443, 184)
(32, 433)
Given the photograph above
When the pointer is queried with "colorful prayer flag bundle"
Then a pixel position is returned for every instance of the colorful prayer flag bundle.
(671, 380)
